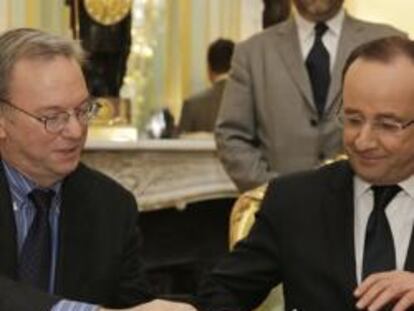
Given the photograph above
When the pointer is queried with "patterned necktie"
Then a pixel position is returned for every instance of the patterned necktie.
(317, 65)
(379, 251)
(35, 257)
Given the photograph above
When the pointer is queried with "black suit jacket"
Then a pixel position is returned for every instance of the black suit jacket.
(98, 255)
(303, 237)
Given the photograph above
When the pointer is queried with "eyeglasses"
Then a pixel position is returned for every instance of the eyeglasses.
(381, 126)
(56, 123)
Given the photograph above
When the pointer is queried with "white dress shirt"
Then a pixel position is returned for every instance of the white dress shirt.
(306, 32)
(400, 215)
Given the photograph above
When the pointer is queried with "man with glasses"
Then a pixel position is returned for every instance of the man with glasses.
(340, 237)
(56, 122)
(68, 235)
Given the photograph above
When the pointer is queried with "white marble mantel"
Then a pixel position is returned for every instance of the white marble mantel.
(163, 173)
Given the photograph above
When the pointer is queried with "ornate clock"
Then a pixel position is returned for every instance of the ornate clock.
(108, 12)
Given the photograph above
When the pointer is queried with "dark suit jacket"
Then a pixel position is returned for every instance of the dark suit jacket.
(199, 112)
(303, 237)
(98, 256)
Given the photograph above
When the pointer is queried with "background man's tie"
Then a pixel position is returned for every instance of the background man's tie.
(379, 251)
(35, 257)
(317, 64)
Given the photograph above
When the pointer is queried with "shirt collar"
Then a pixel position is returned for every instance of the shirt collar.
(20, 185)
(408, 186)
(221, 77)
(306, 28)
(361, 186)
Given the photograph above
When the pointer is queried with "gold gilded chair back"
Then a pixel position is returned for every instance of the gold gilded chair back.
(243, 214)
(241, 220)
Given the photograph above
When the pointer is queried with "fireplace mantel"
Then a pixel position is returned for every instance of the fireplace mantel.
(163, 173)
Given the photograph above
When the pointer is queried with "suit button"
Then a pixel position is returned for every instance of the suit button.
(314, 122)
(321, 156)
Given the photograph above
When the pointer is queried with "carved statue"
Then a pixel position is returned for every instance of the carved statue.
(104, 28)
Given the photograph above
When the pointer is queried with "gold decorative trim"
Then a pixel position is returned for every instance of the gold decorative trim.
(108, 12)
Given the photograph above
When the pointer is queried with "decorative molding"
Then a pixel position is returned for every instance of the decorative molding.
(163, 173)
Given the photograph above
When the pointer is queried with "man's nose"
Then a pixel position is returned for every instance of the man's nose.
(74, 128)
(366, 138)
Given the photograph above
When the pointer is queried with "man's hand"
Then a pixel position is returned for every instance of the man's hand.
(380, 289)
(159, 305)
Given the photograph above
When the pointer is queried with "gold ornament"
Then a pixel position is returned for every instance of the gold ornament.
(108, 12)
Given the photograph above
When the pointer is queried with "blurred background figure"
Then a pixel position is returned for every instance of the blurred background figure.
(275, 11)
(199, 112)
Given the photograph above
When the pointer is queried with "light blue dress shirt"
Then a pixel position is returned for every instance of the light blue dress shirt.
(24, 211)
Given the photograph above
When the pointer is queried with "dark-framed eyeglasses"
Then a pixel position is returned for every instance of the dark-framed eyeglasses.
(57, 121)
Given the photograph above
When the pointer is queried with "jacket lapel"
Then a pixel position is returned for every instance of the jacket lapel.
(339, 221)
(8, 239)
(74, 229)
(349, 34)
(290, 51)
(409, 260)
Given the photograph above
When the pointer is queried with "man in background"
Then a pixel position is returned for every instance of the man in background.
(68, 234)
(278, 110)
(340, 237)
(199, 112)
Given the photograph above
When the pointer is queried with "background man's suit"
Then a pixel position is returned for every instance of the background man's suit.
(268, 123)
(200, 111)
(307, 246)
(98, 257)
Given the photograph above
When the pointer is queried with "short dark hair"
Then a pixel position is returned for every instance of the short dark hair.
(383, 50)
(219, 55)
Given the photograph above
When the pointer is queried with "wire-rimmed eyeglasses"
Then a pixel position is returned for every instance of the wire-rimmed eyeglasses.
(382, 126)
(56, 123)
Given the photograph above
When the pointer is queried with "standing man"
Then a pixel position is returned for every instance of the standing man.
(199, 112)
(341, 237)
(279, 106)
(68, 235)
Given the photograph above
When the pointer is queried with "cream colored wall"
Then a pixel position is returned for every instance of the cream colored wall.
(182, 69)
(51, 15)
(395, 12)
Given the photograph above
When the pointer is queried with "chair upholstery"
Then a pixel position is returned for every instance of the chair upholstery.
(241, 220)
